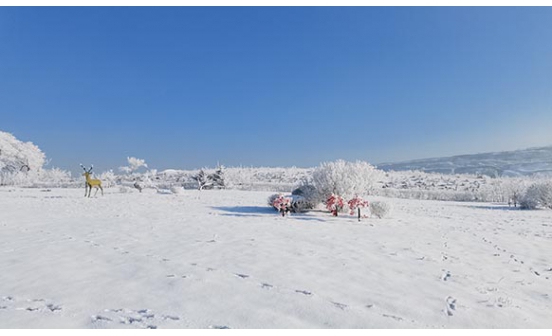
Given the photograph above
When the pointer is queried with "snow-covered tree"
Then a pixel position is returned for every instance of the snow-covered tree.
(133, 165)
(108, 178)
(18, 156)
(345, 179)
(210, 181)
(202, 181)
(217, 178)
(537, 195)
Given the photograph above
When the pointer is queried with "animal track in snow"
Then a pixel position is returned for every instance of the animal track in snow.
(446, 276)
(393, 317)
(141, 318)
(30, 305)
(341, 306)
(451, 305)
(303, 292)
(243, 276)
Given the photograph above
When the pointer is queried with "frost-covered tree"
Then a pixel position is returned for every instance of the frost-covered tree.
(21, 163)
(133, 165)
(18, 156)
(108, 178)
(210, 181)
(217, 178)
(137, 180)
(202, 181)
(537, 195)
(345, 179)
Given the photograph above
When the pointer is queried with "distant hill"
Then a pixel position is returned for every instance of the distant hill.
(513, 163)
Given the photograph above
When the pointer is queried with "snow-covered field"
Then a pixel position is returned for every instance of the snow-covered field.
(223, 259)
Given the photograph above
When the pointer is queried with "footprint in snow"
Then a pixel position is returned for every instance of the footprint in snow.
(304, 292)
(141, 318)
(341, 306)
(393, 317)
(446, 276)
(451, 305)
(243, 276)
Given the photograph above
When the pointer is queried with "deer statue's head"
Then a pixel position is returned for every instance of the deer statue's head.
(87, 172)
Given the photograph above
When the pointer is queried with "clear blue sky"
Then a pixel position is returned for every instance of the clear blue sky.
(187, 87)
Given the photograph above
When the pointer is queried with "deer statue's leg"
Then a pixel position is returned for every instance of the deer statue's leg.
(85, 188)
(101, 190)
(96, 193)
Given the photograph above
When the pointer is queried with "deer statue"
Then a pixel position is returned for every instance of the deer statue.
(91, 183)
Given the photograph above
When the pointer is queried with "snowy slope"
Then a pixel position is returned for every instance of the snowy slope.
(215, 259)
(513, 163)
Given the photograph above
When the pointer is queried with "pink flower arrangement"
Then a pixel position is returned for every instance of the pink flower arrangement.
(356, 203)
(282, 204)
(334, 203)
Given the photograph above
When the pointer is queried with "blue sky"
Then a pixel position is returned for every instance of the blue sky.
(187, 87)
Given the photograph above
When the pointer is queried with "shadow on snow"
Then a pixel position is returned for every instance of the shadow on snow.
(246, 211)
(258, 211)
(493, 207)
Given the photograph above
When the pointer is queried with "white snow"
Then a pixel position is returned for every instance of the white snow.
(222, 258)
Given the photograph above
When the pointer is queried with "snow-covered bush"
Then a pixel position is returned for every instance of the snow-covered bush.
(176, 189)
(53, 178)
(139, 186)
(125, 190)
(16, 178)
(44, 178)
(210, 181)
(345, 178)
(295, 203)
(108, 178)
(537, 195)
(272, 198)
(309, 194)
(380, 209)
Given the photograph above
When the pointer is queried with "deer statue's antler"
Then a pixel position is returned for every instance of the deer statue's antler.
(83, 167)
(91, 166)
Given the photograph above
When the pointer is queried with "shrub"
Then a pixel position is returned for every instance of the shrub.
(297, 203)
(125, 190)
(537, 195)
(309, 195)
(272, 198)
(380, 209)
